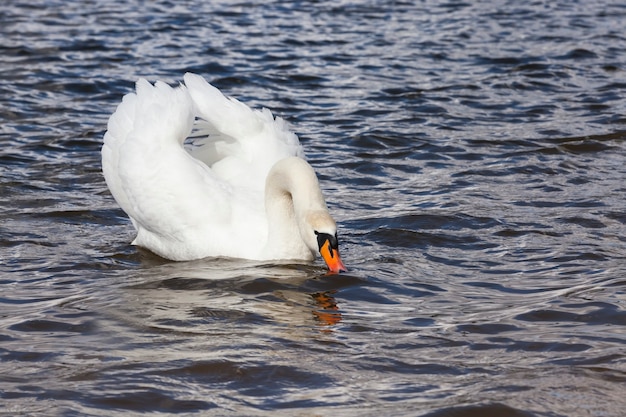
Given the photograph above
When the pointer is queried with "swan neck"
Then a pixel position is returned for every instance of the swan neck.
(291, 193)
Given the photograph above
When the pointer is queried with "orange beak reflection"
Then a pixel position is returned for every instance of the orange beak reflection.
(330, 252)
(328, 314)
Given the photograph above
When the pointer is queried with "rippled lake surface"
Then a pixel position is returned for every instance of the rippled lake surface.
(473, 154)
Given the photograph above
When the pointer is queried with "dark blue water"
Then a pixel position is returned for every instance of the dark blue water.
(473, 153)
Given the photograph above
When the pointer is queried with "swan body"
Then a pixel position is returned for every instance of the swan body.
(200, 175)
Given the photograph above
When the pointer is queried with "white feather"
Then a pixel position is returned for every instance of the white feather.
(189, 167)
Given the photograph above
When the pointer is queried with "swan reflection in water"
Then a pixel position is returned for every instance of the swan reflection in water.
(328, 313)
(218, 296)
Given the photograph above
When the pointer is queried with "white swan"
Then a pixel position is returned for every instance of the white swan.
(203, 175)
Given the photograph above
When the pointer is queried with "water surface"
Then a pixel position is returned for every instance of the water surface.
(472, 153)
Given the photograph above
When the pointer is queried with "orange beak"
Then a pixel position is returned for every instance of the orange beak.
(331, 257)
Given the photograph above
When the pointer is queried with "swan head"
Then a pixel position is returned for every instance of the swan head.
(324, 239)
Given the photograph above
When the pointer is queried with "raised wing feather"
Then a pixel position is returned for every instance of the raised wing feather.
(242, 144)
(194, 197)
(164, 190)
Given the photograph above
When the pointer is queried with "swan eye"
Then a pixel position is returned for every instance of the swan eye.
(322, 238)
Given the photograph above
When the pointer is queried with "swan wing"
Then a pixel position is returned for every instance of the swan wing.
(240, 144)
(176, 202)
